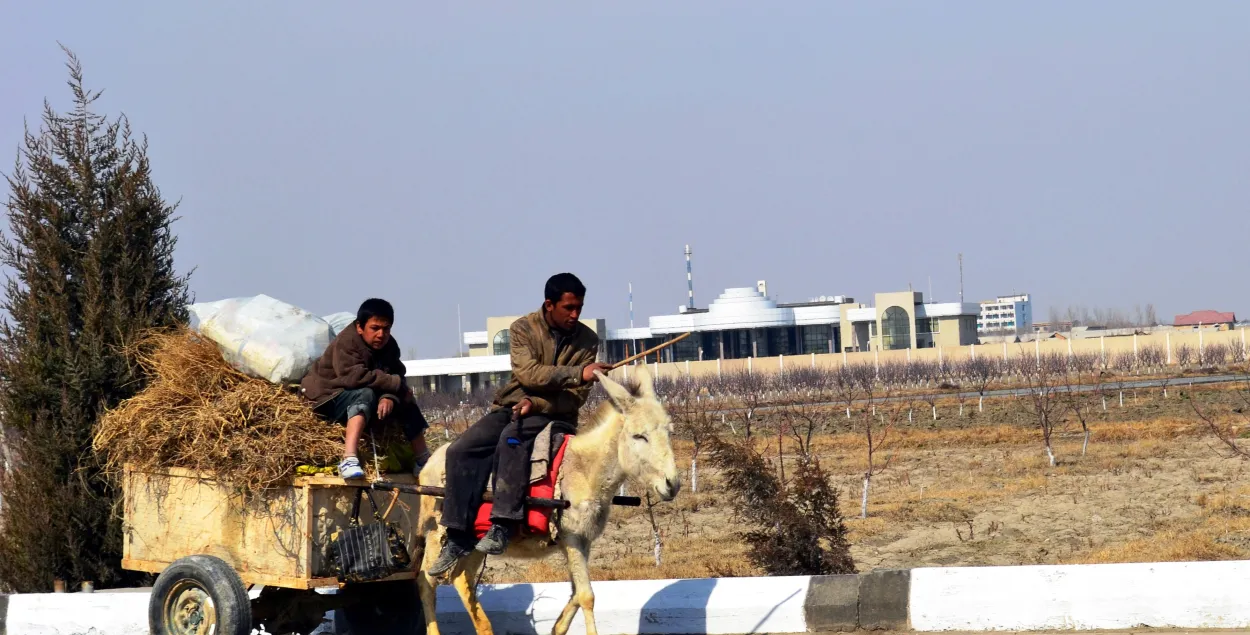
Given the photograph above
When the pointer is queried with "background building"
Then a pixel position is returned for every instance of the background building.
(1011, 314)
(1218, 319)
(741, 323)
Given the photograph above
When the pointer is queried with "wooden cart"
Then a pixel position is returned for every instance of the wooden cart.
(210, 549)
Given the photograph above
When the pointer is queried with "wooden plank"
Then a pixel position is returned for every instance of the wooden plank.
(172, 516)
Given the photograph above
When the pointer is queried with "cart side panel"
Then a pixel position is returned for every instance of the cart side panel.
(332, 509)
(172, 515)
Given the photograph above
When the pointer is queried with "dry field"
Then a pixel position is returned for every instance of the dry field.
(1155, 485)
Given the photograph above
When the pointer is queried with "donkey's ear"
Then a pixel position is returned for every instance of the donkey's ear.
(617, 394)
(646, 388)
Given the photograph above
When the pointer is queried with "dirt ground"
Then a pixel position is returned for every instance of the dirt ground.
(1154, 485)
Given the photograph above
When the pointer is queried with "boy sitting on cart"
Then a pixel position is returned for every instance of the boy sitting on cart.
(359, 380)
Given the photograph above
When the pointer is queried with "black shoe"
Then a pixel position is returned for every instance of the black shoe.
(495, 541)
(453, 551)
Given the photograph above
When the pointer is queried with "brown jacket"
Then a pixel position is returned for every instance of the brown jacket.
(348, 363)
(553, 383)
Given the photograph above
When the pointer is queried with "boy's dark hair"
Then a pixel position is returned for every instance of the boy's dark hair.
(375, 308)
(563, 283)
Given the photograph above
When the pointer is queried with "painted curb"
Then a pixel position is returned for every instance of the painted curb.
(724, 606)
(884, 595)
(832, 603)
(75, 614)
(1178, 595)
(1174, 595)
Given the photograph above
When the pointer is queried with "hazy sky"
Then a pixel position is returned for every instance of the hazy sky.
(442, 153)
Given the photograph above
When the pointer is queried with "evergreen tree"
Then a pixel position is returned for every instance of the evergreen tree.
(90, 259)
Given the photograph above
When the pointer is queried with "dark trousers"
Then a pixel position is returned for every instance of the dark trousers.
(495, 443)
(364, 401)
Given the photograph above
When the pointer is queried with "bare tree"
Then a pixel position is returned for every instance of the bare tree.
(1122, 364)
(1055, 317)
(846, 386)
(1225, 431)
(877, 428)
(952, 376)
(928, 374)
(1151, 358)
(1082, 370)
(1237, 353)
(1214, 355)
(1184, 355)
(981, 371)
(1151, 318)
(693, 418)
(751, 389)
(1045, 405)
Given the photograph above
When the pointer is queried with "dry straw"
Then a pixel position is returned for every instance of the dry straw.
(200, 413)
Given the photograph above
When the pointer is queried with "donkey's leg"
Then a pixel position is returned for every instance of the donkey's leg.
(427, 587)
(464, 578)
(577, 555)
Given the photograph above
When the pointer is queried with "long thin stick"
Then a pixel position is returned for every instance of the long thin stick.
(650, 350)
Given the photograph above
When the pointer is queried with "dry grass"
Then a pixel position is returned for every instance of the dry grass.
(1220, 532)
(200, 413)
(683, 557)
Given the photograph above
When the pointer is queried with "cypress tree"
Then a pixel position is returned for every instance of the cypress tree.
(90, 259)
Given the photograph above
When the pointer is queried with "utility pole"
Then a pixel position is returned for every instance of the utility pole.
(459, 332)
(689, 281)
(631, 305)
(961, 278)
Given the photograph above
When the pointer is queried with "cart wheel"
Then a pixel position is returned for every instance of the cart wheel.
(199, 595)
(381, 608)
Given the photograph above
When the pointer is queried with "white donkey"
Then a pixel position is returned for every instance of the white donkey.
(627, 437)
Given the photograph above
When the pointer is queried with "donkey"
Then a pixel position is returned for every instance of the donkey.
(628, 437)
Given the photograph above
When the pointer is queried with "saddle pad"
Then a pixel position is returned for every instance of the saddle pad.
(537, 519)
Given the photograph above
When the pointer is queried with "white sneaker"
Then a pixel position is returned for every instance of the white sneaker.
(349, 468)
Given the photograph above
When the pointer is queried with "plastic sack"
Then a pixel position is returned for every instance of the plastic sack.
(339, 321)
(263, 337)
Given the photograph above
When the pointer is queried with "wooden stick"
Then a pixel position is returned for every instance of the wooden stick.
(650, 350)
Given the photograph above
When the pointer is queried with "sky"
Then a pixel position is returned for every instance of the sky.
(446, 155)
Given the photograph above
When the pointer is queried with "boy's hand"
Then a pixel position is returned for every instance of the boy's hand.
(384, 408)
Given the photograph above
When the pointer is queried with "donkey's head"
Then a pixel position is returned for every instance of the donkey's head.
(645, 449)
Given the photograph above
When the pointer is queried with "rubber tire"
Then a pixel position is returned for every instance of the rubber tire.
(379, 608)
(219, 580)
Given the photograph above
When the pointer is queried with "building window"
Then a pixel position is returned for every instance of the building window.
(685, 350)
(895, 329)
(926, 326)
(816, 338)
(502, 340)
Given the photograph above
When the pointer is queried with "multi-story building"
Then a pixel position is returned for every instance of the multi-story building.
(1009, 314)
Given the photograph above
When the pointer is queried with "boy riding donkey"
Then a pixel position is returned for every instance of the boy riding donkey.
(553, 366)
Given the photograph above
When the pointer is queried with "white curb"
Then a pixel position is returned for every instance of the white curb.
(725, 606)
(1081, 597)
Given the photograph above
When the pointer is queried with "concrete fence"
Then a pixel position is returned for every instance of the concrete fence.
(1168, 343)
(1030, 598)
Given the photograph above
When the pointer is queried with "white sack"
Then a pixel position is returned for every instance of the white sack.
(339, 321)
(263, 337)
